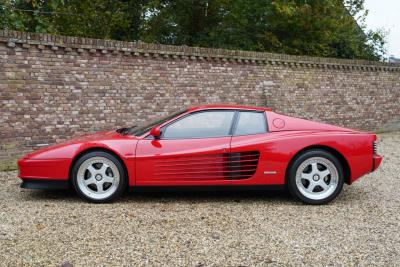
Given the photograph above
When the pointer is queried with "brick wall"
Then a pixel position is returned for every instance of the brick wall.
(55, 87)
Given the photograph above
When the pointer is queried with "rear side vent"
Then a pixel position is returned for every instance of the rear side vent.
(375, 147)
(242, 165)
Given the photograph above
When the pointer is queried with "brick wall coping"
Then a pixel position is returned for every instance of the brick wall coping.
(139, 48)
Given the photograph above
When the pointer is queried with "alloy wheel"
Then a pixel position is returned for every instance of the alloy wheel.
(317, 178)
(98, 178)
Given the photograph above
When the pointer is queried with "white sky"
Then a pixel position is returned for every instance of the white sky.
(386, 14)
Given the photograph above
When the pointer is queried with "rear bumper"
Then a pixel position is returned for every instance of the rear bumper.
(44, 184)
(376, 161)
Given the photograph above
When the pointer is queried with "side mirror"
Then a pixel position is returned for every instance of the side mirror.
(155, 132)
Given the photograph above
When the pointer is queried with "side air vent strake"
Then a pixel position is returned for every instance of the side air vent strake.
(225, 166)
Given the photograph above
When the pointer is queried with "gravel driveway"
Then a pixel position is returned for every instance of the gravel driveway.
(361, 227)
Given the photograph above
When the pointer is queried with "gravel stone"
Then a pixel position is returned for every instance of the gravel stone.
(53, 228)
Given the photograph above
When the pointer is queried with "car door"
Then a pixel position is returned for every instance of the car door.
(249, 148)
(192, 150)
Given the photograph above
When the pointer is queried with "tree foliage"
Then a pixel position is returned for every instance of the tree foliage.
(329, 28)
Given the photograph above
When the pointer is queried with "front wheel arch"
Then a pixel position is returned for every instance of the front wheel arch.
(103, 156)
(345, 165)
(92, 149)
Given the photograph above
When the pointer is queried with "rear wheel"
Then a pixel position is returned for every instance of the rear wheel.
(99, 177)
(315, 177)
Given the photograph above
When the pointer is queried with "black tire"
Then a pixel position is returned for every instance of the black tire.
(119, 189)
(301, 158)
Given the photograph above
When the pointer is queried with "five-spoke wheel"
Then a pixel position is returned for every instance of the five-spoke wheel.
(315, 177)
(99, 176)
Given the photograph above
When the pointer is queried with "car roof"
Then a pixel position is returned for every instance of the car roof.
(215, 106)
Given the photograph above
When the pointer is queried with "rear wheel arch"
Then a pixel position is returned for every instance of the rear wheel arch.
(343, 162)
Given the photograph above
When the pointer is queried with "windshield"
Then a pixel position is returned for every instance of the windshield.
(142, 129)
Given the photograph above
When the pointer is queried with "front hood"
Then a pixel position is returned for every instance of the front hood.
(93, 137)
(73, 143)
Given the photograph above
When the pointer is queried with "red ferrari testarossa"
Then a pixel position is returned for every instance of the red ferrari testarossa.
(213, 146)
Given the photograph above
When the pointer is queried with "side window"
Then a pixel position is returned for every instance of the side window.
(251, 123)
(201, 125)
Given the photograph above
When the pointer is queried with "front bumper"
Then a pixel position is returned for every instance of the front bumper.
(44, 184)
(44, 173)
(44, 169)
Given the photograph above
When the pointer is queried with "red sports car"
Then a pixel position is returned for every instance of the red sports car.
(213, 146)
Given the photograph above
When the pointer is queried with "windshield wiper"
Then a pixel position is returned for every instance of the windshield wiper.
(121, 130)
(125, 130)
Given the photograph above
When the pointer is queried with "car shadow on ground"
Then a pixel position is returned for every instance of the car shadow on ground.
(191, 197)
(209, 196)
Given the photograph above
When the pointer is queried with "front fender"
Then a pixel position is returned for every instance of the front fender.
(55, 162)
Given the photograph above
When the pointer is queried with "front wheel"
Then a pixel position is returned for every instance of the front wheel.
(99, 177)
(315, 177)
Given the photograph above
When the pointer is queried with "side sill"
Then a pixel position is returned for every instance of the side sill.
(205, 188)
(44, 184)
